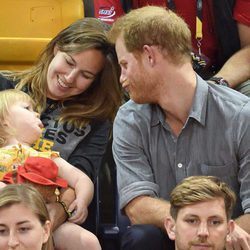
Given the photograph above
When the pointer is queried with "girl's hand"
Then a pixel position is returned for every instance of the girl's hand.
(79, 211)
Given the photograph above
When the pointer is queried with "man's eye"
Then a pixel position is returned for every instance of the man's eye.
(124, 65)
(215, 222)
(3, 232)
(191, 221)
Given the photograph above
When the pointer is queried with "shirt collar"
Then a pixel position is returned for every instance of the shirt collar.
(157, 115)
(199, 106)
(198, 109)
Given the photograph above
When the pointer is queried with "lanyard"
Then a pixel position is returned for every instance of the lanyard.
(198, 33)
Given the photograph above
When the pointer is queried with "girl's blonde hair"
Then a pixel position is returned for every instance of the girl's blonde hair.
(8, 98)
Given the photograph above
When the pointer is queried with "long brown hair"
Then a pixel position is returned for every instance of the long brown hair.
(102, 99)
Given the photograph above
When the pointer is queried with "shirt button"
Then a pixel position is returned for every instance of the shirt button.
(179, 165)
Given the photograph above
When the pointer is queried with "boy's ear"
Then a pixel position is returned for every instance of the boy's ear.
(170, 227)
(231, 226)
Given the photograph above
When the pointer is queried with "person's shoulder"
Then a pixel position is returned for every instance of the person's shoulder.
(6, 83)
(131, 106)
(135, 113)
(232, 103)
(228, 95)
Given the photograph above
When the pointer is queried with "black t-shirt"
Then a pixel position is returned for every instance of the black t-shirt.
(83, 148)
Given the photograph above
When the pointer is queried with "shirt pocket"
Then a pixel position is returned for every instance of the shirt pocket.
(227, 173)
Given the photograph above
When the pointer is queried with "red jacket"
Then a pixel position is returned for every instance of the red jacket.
(108, 10)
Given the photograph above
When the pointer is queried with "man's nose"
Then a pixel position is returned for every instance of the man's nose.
(123, 78)
(203, 230)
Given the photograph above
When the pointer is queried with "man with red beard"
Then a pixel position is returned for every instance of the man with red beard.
(201, 209)
(175, 125)
(219, 29)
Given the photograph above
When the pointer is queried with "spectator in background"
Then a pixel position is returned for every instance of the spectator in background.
(24, 219)
(201, 208)
(175, 125)
(224, 29)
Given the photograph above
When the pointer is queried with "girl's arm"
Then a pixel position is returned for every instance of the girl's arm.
(83, 186)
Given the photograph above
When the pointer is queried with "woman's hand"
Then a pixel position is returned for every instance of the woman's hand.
(56, 211)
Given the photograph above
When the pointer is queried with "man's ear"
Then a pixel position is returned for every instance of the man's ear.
(230, 226)
(150, 53)
(169, 224)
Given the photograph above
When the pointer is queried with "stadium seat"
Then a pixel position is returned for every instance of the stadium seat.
(112, 223)
(26, 26)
